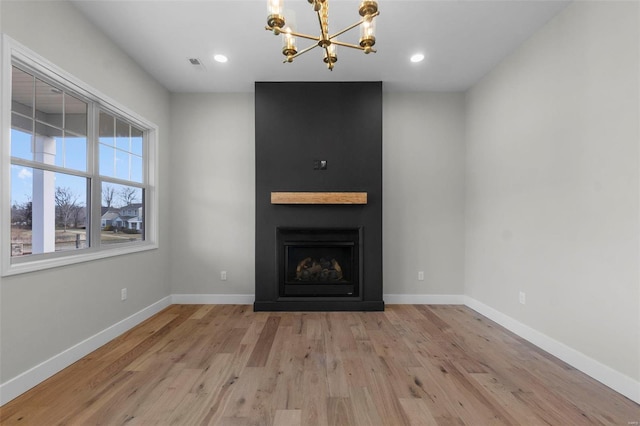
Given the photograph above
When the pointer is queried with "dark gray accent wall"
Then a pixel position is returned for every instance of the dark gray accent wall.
(297, 126)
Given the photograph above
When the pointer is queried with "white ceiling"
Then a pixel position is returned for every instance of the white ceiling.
(462, 40)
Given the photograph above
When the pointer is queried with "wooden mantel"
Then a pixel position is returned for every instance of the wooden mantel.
(318, 198)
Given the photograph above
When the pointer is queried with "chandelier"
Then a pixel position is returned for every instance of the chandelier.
(276, 23)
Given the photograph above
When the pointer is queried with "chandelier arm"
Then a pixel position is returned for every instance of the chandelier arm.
(350, 27)
(353, 46)
(308, 37)
(313, 46)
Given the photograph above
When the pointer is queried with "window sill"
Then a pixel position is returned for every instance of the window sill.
(55, 262)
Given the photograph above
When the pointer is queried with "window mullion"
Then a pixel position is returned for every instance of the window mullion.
(122, 182)
(93, 152)
(48, 167)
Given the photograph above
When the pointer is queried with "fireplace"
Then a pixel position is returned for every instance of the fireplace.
(318, 196)
(319, 262)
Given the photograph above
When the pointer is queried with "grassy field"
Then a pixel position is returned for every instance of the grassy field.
(66, 240)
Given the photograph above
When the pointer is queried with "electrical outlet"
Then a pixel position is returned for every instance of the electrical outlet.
(523, 298)
(223, 275)
(420, 275)
(123, 294)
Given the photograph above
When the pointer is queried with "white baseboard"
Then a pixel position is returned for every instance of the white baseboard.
(213, 299)
(248, 299)
(30, 378)
(424, 299)
(606, 375)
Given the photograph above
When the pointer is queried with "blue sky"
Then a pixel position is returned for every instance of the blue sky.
(22, 185)
(119, 157)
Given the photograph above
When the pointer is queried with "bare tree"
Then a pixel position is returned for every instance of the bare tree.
(127, 195)
(22, 213)
(66, 204)
(108, 195)
(79, 216)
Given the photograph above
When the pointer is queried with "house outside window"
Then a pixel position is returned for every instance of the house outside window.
(77, 169)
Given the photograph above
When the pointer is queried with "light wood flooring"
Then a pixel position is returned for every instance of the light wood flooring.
(409, 365)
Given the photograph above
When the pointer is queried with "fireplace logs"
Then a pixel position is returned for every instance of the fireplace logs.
(309, 269)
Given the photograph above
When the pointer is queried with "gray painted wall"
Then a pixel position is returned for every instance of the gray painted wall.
(45, 313)
(423, 179)
(213, 195)
(423, 186)
(553, 184)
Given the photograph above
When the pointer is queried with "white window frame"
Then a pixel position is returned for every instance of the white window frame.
(12, 50)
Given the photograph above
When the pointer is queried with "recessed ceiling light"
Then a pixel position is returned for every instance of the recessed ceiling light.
(418, 57)
(220, 58)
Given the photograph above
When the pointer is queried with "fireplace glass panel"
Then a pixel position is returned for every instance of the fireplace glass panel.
(319, 262)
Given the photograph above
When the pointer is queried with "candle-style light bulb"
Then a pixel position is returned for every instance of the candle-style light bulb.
(274, 7)
(368, 33)
(368, 28)
(275, 20)
(288, 41)
(288, 45)
(331, 55)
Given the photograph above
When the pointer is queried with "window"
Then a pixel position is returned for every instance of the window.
(80, 171)
(49, 178)
(121, 159)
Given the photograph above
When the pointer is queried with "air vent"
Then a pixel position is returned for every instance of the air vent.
(197, 63)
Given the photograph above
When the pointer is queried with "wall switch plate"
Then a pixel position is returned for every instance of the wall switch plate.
(123, 294)
(420, 275)
(523, 298)
(223, 275)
